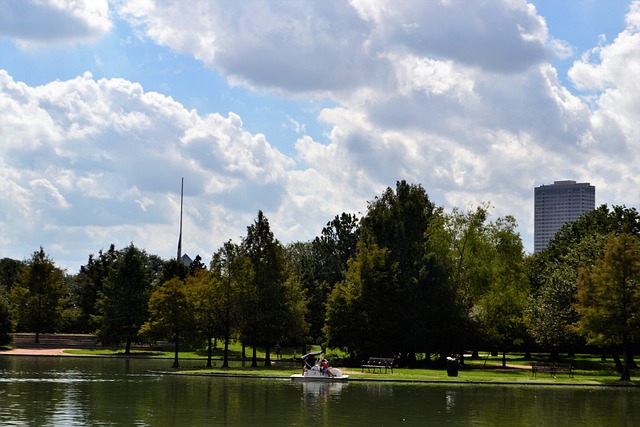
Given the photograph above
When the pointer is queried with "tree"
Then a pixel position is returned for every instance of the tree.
(202, 290)
(6, 326)
(229, 269)
(503, 305)
(550, 312)
(268, 297)
(88, 286)
(196, 266)
(400, 222)
(465, 247)
(359, 320)
(609, 297)
(123, 303)
(170, 314)
(37, 295)
(553, 273)
(9, 272)
(322, 263)
(334, 248)
(396, 295)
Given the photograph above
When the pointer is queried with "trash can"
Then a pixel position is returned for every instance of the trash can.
(452, 366)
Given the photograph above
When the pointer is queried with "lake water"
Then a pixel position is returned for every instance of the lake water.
(68, 391)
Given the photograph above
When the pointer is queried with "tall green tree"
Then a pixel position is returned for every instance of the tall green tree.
(88, 286)
(553, 273)
(393, 237)
(9, 272)
(205, 300)
(609, 297)
(6, 325)
(229, 268)
(123, 303)
(37, 295)
(322, 263)
(267, 297)
(170, 315)
(504, 303)
(464, 243)
(359, 321)
(550, 311)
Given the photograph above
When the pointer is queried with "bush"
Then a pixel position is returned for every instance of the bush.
(6, 326)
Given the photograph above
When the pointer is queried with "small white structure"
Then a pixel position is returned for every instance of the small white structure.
(317, 369)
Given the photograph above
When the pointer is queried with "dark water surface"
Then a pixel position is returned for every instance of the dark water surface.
(66, 391)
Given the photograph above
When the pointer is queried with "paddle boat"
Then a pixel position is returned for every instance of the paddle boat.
(317, 369)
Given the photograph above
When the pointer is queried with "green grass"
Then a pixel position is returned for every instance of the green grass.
(588, 369)
(235, 352)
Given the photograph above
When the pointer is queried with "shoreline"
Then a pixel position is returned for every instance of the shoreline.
(60, 352)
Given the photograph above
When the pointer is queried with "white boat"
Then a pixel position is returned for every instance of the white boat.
(317, 369)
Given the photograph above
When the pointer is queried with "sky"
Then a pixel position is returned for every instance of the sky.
(301, 109)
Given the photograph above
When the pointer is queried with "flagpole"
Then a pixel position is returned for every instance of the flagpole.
(180, 236)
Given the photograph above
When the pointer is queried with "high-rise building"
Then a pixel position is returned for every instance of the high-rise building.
(558, 204)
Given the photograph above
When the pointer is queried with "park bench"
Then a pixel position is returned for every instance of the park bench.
(378, 363)
(552, 368)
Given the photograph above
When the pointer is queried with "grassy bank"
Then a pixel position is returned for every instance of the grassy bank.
(588, 369)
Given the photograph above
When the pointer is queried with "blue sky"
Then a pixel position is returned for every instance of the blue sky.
(303, 110)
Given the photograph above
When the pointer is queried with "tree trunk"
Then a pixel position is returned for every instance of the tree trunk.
(227, 329)
(626, 372)
(127, 348)
(504, 359)
(254, 355)
(267, 357)
(175, 353)
(209, 352)
(616, 360)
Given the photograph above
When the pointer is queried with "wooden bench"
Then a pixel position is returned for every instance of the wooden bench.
(552, 368)
(378, 363)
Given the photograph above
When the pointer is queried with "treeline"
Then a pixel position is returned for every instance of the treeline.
(407, 279)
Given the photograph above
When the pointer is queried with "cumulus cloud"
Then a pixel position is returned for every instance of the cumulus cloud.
(457, 96)
(44, 22)
(87, 158)
(607, 76)
(337, 45)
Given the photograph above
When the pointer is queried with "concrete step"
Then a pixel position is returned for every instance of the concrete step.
(28, 340)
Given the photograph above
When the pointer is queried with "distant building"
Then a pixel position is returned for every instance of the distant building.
(186, 260)
(558, 204)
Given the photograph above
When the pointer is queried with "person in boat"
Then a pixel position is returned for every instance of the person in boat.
(325, 368)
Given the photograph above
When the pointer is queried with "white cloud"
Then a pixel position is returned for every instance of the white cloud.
(457, 96)
(105, 155)
(609, 75)
(46, 22)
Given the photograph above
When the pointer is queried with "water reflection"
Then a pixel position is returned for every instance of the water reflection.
(450, 399)
(320, 389)
(117, 392)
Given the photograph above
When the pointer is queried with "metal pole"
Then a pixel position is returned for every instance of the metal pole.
(180, 236)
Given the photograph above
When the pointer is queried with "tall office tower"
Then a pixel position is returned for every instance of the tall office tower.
(558, 204)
